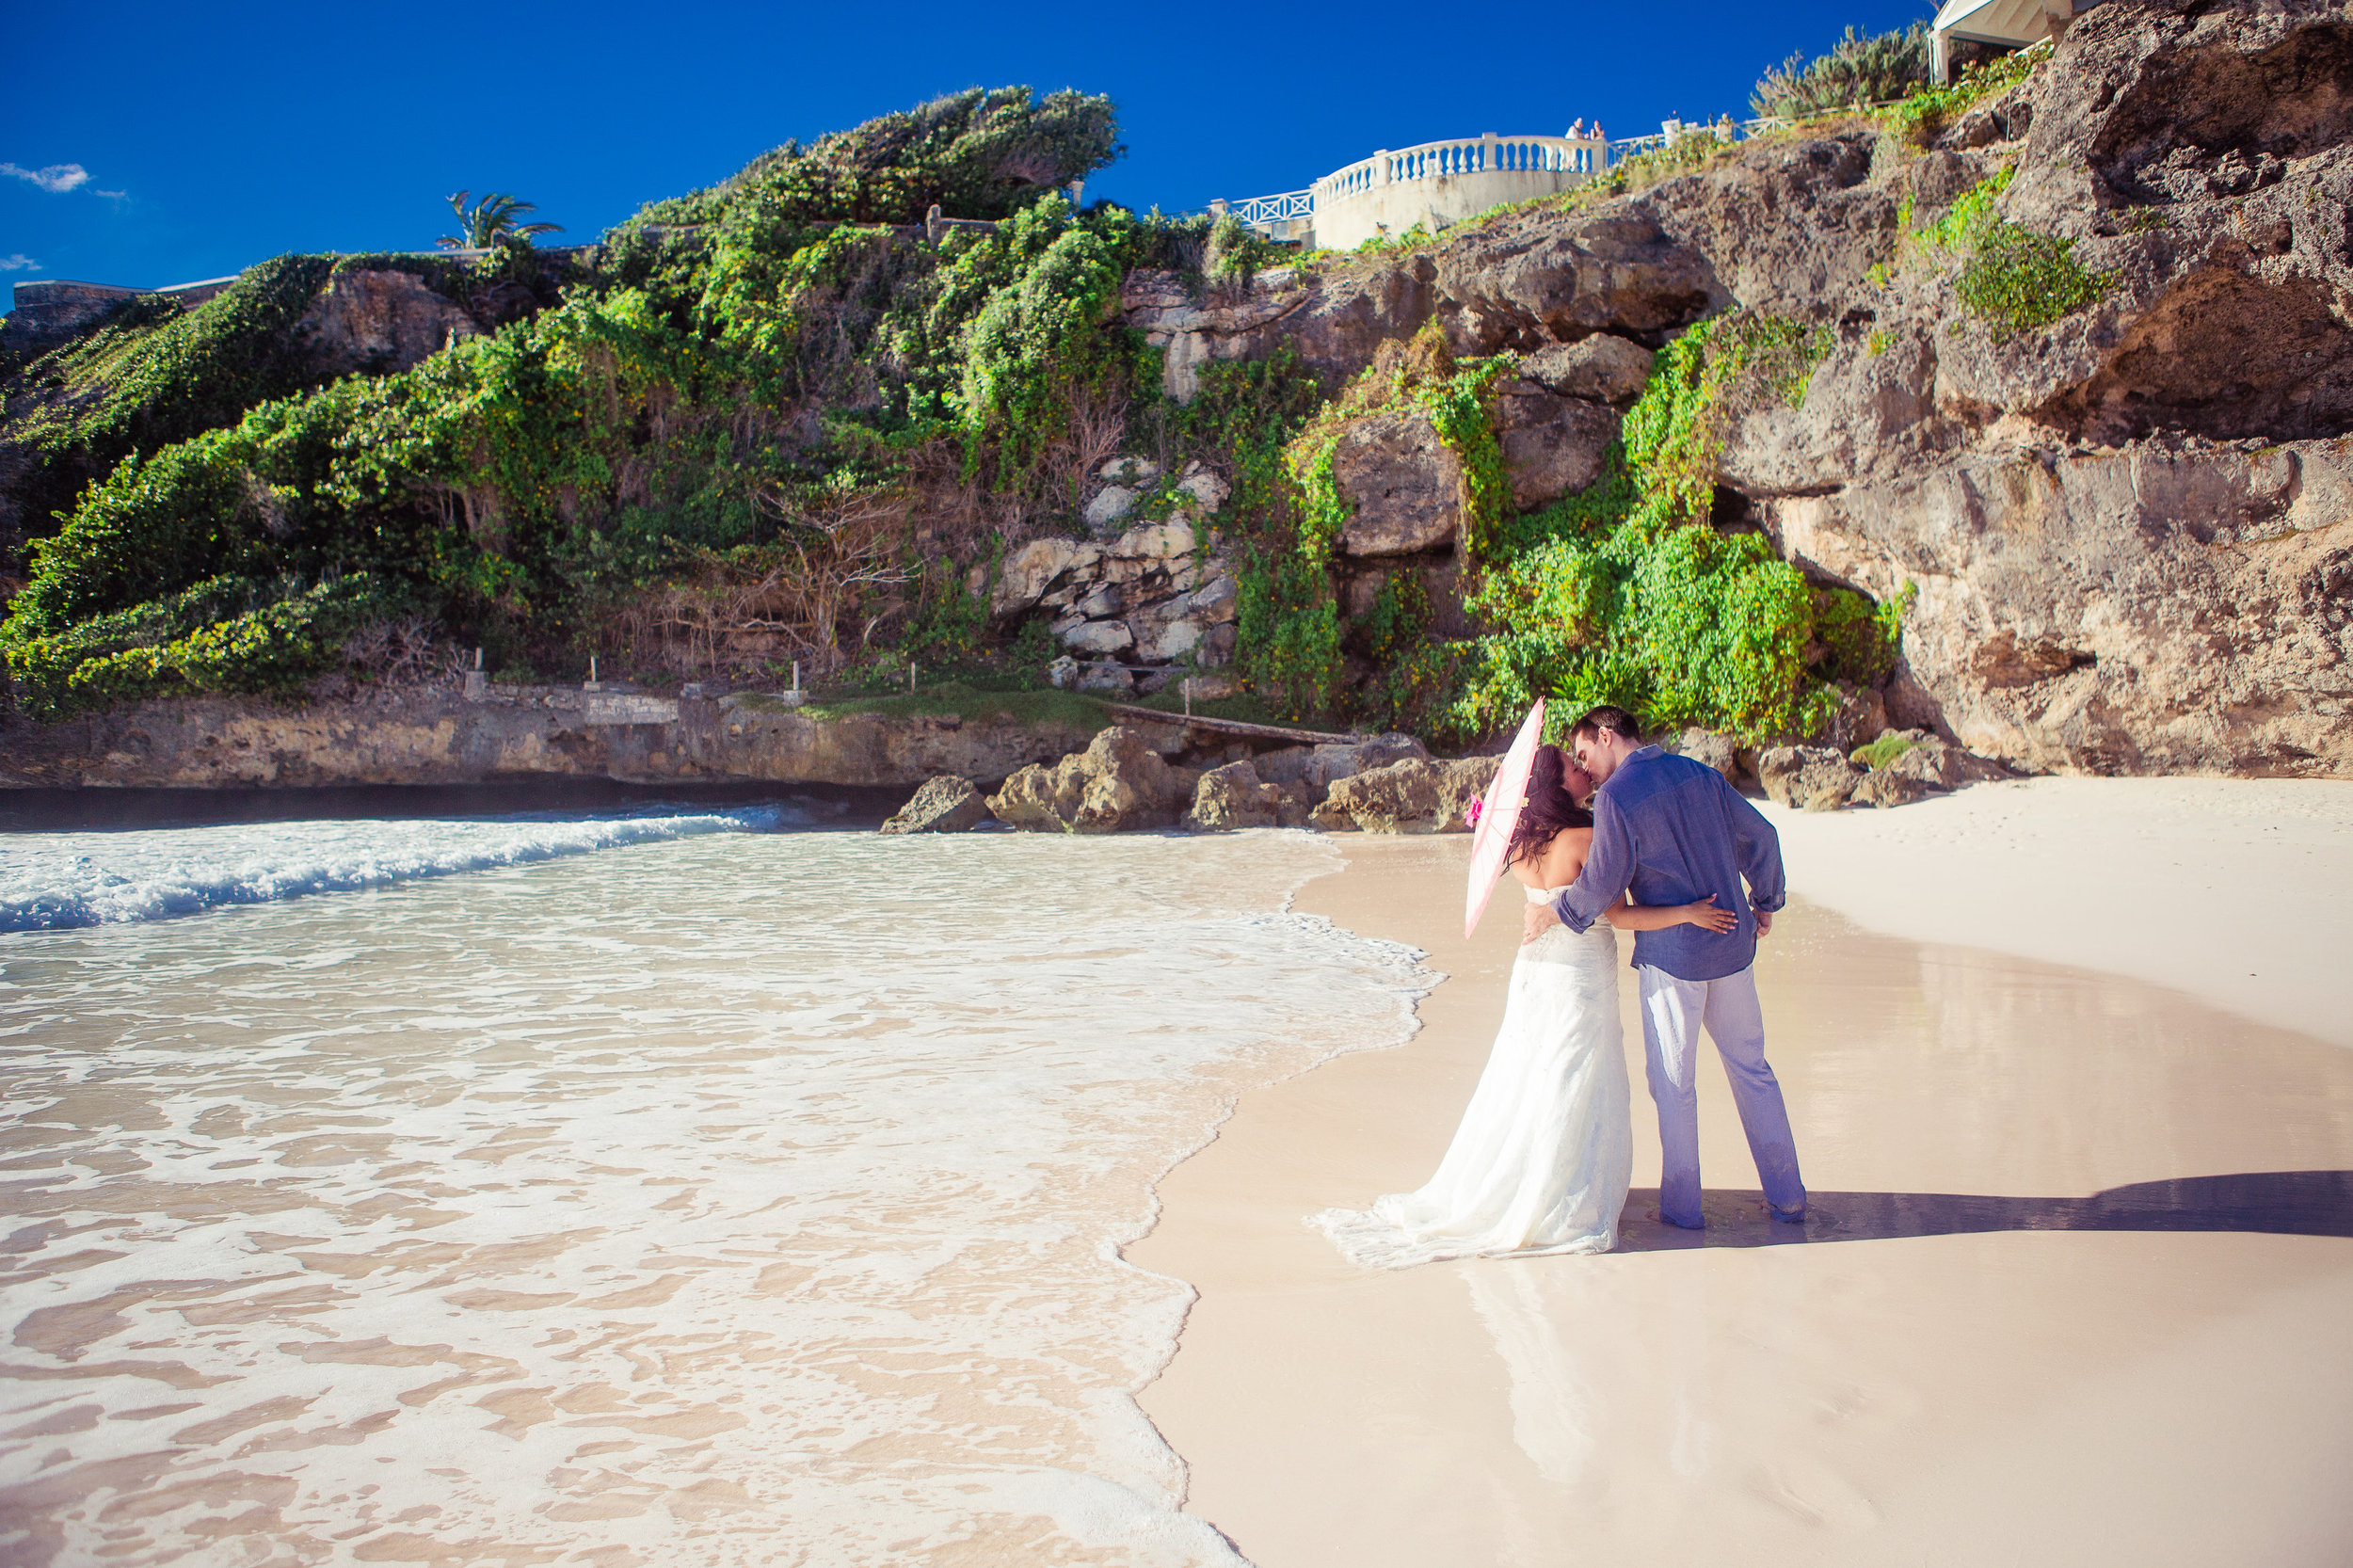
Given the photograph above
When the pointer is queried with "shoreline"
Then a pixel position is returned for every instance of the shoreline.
(1944, 1350)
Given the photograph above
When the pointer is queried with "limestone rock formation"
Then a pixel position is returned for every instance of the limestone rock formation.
(1816, 778)
(1317, 768)
(1883, 787)
(1234, 796)
(434, 735)
(1147, 597)
(944, 805)
(1401, 484)
(2127, 529)
(1602, 368)
(1721, 752)
(1936, 763)
(1552, 445)
(1119, 782)
(1415, 795)
(2124, 535)
(379, 321)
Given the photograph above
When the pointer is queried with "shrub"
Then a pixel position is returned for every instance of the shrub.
(1861, 637)
(2016, 279)
(1923, 115)
(225, 635)
(2008, 276)
(1856, 70)
(976, 153)
(1626, 594)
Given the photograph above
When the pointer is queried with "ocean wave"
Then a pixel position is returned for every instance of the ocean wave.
(66, 881)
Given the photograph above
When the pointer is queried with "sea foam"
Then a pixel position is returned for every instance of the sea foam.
(64, 881)
(734, 1198)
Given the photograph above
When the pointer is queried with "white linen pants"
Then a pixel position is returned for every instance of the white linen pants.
(1672, 1012)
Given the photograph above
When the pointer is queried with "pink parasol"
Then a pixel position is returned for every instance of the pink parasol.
(1493, 818)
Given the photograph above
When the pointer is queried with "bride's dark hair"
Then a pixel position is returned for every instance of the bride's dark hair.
(1549, 807)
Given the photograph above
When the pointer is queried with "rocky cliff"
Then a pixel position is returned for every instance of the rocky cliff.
(2063, 369)
(2126, 532)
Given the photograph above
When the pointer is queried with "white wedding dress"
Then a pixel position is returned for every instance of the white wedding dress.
(1543, 1159)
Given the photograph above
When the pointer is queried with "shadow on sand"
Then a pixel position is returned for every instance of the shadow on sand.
(2278, 1203)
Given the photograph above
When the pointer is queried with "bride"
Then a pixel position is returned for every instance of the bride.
(1546, 1149)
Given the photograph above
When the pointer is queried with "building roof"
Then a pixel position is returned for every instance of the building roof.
(2013, 23)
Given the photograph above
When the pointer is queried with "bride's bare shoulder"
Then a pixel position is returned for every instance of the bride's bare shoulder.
(1557, 864)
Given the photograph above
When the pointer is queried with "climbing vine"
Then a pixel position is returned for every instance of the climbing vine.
(1625, 592)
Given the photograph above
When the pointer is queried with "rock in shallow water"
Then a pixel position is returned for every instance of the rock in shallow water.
(1234, 796)
(947, 804)
(1119, 782)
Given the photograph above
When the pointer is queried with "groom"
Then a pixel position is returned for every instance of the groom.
(1672, 831)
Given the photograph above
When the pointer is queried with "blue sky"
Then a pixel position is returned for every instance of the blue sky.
(166, 145)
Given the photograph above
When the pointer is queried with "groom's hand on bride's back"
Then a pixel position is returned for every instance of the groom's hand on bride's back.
(1540, 918)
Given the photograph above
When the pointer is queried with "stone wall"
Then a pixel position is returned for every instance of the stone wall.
(1145, 597)
(49, 313)
(433, 735)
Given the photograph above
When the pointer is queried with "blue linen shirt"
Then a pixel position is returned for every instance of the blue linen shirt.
(1671, 831)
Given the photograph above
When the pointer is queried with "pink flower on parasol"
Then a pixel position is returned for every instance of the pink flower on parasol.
(1493, 818)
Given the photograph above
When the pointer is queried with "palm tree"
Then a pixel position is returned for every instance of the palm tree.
(491, 222)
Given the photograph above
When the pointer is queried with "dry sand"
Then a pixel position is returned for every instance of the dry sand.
(2002, 1339)
(2239, 891)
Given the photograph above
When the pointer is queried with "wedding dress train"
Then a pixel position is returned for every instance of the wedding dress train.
(1543, 1159)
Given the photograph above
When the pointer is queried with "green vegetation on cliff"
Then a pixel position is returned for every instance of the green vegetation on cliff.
(1623, 593)
(781, 419)
(762, 395)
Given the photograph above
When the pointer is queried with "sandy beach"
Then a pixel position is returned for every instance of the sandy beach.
(2066, 1062)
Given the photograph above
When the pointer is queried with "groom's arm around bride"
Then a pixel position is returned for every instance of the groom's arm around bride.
(1670, 830)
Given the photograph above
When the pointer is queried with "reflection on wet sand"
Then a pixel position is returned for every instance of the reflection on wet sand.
(2071, 1291)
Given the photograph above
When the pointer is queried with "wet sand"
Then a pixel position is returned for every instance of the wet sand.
(2072, 1292)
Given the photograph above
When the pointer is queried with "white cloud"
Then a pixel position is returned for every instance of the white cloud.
(19, 262)
(54, 178)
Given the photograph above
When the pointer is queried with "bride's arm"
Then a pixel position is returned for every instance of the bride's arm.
(1636, 916)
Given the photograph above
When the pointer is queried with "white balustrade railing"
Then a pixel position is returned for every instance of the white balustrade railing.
(1580, 153)
(1439, 160)
(1577, 154)
(1266, 210)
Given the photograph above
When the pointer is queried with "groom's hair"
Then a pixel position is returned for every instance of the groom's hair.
(1616, 720)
